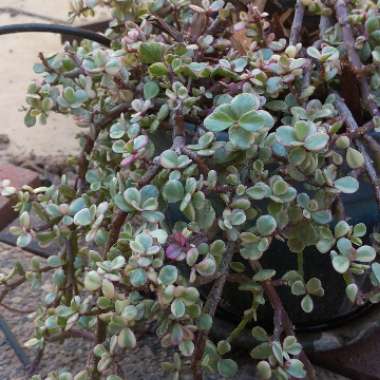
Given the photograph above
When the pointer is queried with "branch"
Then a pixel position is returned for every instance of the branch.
(71, 252)
(9, 287)
(353, 56)
(203, 168)
(72, 333)
(99, 125)
(213, 299)
(362, 131)
(281, 319)
(161, 24)
(115, 229)
(100, 337)
(18, 311)
(352, 127)
(295, 31)
(260, 4)
(179, 140)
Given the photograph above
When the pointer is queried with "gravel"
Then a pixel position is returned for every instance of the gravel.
(143, 363)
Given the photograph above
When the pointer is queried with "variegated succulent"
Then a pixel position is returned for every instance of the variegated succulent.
(211, 130)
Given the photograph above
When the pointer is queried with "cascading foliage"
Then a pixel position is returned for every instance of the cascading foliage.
(210, 130)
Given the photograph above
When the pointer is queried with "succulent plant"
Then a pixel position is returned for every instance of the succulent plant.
(213, 130)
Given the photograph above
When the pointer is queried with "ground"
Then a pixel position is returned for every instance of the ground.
(143, 363)
(47, 146)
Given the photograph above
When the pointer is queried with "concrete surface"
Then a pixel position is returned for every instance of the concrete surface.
(18, 53)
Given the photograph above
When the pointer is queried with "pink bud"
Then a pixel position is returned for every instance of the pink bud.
(127, 161)
(180, 239)
(174, 252)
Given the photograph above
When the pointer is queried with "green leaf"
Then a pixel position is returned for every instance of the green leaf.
(151, 52)
(83, 217)
(280, 187)
(69, 95)
(261, 351)
(240, 138)
(341, 229)
(130, 312)
(316, 142)
(29, 119)
(205, 322)
(237, 217)
(255, 121)
(137, 277)
(266, 225)
(322, 216)
(360, 230)
(173, 191)
(307, 304)
(277, 352)
(151, 90)
(119, 146)
(314, 287)
(285, 135)
(260, 334)
(168, 274)
(227, 367)
(158, 69)
(302, 129)
(54, 261)
(108, 289)
(133, 197)
(223, 347)
(295, 368)
(345, 246)
(351, 292)
(298, 288)
(24, 219)
(348, 185)
(113, 66)
(376, 271)
(260, 191)
(120, 202)
(354, 158)
(264, 370)
(264, 275)
(178, 308)
(219, 120)
(340, 263)
(365, 254)
(291, 345)
(170, 160)
(314, 53)
(126, 338)
(244, 103)
(24, 240)
(207, 266)
(92, 281)
(187, 348)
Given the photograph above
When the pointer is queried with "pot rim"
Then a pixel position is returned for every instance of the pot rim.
(359, 326)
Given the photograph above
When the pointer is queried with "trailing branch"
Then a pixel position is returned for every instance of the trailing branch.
(198, 160)
(211, 304)
(99, 125)
(352, 127)
(281, 320)
(295, 31)
(353, 56)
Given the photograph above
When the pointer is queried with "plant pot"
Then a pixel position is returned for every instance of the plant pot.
(333, 312)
